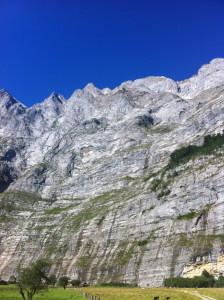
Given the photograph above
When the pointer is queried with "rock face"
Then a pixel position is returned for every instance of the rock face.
(84, 181)
(216, 268)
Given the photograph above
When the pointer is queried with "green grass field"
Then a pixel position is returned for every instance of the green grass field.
(115, 293)
(10, 292)
(212, 292)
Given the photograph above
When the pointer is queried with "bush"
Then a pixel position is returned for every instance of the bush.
(52, 279)
(100, 222)
(63, 281)
(142, 243)
(205, 274)
(75, 282)
(155, 183)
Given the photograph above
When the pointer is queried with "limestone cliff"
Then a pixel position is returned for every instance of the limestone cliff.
(85, 181)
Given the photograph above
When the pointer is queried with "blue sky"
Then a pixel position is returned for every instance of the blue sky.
(62, 45)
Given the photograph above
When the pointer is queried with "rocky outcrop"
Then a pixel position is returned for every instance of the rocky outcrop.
(85, 182)
(215, 268)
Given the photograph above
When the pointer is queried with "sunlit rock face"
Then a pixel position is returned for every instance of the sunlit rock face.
(84, 181)
(215, 268)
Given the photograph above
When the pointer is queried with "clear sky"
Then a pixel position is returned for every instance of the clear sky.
(62, 45)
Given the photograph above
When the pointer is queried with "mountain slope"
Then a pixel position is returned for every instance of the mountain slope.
(85, 181)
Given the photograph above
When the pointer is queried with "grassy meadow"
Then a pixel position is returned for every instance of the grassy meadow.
(217, 293)
(126, 293)
(10, 292)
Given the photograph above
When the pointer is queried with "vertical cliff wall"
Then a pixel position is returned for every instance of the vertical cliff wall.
(90, 181)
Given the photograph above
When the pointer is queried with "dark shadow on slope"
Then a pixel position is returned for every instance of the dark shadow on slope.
(6, 176)
(9, 155)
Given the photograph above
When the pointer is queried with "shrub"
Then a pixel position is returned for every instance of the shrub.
(205, 274)
(100, 222)
(63, 281)
(75, 282)
(142, 243)
(52, 279)
(155, 183)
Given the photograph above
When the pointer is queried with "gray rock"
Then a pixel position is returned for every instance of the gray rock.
(77, 180)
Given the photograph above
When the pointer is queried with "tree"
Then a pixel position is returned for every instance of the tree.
(75, 282)
(12, 280)
(52, 279)
(206, 274)
(63, 281)
(33, 279)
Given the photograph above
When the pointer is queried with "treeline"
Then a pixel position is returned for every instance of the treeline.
(184, 154)
(51, 280)
(204, 281)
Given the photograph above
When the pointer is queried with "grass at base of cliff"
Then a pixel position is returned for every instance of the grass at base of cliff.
(217, 293)
(10, 292)
(127, 293)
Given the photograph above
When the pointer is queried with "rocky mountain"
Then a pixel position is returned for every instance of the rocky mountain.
(105, 185)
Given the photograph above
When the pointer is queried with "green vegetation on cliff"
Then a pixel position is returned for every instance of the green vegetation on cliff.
(184, 154)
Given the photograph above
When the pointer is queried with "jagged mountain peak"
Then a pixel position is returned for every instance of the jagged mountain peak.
(7, 100)
(90, 86)
(209, 76)
(4, 92)
(5, 96)
(54, 95)
(53, 102)
(55, 98)
(215, 65)
(88, 91)
(92, 90)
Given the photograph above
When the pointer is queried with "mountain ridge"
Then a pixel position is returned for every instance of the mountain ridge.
(84, 180)
(214, 66)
